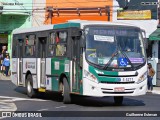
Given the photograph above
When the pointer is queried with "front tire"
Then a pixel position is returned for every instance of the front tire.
(31, 92)
(66, 92)
(118, 100)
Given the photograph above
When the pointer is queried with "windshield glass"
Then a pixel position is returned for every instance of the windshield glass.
(118, 47)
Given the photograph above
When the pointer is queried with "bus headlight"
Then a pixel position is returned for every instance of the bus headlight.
(142, 78)
(90, 76)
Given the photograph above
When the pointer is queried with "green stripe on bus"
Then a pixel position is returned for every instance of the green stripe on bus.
(96, 71)
(66, 25)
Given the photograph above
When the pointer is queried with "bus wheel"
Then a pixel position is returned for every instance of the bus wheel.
(29, 83)
(118, 100)
(66, 92)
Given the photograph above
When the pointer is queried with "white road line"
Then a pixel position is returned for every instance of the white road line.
(7, 106)
(19, 99)
(42, 110)
(60, 107)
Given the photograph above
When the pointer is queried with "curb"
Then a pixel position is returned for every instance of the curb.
(155, 92)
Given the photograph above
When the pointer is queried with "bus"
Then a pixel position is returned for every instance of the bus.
(90, 58)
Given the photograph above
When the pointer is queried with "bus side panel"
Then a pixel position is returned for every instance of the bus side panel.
(14, 68)
(48, 74)
(30, 65)
(59, 66)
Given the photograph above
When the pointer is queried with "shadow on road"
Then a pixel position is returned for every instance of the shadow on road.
(83, 100)
(104, 101)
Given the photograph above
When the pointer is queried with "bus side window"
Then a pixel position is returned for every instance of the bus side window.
(61, 49)
(14, 47)
(30, 46)
(52, 44)
(61, 43)
(51, 50)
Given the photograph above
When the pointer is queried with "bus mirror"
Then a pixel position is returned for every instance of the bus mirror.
(145, 43)
(145, 39)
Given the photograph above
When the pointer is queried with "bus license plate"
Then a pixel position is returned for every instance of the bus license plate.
(119, 89)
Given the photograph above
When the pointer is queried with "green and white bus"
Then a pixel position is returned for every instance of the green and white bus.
(90, 58)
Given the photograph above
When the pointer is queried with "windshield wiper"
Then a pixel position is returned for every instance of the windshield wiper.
(111, 59)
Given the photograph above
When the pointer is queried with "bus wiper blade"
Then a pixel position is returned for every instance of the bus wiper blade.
(110, 60)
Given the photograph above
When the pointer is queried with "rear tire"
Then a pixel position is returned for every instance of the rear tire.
(31, 92)
(118, 100)
(66, 92)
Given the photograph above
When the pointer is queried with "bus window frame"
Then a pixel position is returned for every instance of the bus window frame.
(14, 46)
(15, 43)
(59, 43)
(50, 44)
(35, 44)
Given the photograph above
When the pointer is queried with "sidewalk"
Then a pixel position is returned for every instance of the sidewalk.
(3, 77)
(156, 90)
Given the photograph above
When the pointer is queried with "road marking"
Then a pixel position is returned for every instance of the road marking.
(42, 110)
(7, 106)
(60, 107)
(19, 99)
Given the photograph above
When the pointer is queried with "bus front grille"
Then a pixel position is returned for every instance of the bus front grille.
(118, 92)
(111, 91)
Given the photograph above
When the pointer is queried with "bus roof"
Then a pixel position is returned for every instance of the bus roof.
(70, 23)
(87, 22)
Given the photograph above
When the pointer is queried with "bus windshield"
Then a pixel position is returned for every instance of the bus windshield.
(118, 47)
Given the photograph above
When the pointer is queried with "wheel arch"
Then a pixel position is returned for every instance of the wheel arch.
(27, 73)
(63, 75)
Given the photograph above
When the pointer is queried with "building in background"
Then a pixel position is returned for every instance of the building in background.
(38, 12)
(59, 11)
(13, 14)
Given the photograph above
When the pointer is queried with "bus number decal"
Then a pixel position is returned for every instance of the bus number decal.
(127, 80)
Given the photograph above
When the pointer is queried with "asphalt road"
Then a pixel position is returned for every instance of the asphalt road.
(14, 98)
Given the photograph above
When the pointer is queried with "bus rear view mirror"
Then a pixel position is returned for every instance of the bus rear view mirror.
(145, 39)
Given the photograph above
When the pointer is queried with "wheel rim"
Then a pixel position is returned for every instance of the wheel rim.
(29, 88)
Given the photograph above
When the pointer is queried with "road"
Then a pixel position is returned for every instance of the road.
(14, 98)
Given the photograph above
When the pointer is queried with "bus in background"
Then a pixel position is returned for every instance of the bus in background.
(90, 58)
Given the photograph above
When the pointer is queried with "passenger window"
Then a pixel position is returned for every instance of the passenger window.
(61, 49)
(61, 43)
(51, 50)
(30, 46)
(52, 38)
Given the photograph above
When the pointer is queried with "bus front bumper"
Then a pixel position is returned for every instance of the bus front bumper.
(91, 88)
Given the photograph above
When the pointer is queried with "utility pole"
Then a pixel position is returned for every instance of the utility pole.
(107, 9)
(50, 10)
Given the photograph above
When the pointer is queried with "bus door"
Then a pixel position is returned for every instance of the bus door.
(19, 51)
(76, 69)
(42, 54)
